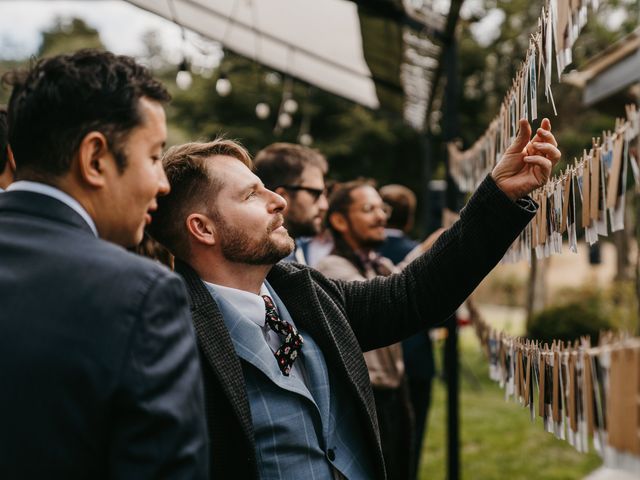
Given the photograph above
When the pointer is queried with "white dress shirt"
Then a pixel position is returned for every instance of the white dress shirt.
(48, 190)
(252, 307)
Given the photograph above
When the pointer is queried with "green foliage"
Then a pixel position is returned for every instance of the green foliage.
(68, 35)
(356, 141)
(568, 322)
(486, 72)
(587, 311)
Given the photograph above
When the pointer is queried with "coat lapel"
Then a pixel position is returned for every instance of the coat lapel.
(341, 351)
(216, 346)
(249, 344)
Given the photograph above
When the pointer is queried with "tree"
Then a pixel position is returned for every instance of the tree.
(68, 35)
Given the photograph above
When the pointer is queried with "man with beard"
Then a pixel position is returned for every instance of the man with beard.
(286, 386)
(357, 219)
(296, 173)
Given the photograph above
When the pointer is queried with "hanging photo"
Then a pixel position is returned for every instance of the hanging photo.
(533, 90)
(571, 215)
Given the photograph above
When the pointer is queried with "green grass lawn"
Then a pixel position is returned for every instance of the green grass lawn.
(498, 440)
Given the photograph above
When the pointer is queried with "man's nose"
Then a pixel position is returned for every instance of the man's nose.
(277, 203)
(323, 203)
(163, 182)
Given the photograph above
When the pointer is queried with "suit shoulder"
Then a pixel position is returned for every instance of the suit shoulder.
(116, 261)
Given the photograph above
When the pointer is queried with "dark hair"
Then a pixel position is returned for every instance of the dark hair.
(4, 140)
(192, 187)
(283, 163)
(59, 100)
(403, 206)
(340, 200)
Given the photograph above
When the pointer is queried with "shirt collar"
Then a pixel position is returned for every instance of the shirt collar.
(393, 232)
(248, 304)
(48, 190)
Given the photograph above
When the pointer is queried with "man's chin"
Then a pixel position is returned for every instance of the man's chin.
(373, 243)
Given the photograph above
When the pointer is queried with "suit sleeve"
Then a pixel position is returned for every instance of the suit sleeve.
(161, 424)
(385, 310)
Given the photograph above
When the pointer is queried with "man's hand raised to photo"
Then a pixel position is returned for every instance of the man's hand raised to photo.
(527, 164)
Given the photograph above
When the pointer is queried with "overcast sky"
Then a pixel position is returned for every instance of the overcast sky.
(21, 21)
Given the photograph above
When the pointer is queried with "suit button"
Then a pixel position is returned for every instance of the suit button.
(331, 454)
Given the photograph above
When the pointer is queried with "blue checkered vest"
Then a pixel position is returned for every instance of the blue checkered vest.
(301, 432)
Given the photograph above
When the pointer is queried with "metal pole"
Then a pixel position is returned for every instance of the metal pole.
(453, 407)
(450, 132)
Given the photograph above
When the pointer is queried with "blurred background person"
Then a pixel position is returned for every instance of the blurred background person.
(357, 217)
(417, 351)
(296, 173)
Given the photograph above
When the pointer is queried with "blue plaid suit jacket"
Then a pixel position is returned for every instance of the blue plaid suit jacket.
(302, 431)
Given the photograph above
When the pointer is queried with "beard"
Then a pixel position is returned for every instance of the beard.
(306, 228)
(372, 243)
(237, 245)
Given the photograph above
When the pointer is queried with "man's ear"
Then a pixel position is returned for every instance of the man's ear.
(339, 222)
(11, 161)
(201, 229)
(93, 154)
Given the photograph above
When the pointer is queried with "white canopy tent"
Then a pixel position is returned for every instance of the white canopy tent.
(321, 42)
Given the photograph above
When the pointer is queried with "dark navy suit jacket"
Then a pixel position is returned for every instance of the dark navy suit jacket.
(99, 373)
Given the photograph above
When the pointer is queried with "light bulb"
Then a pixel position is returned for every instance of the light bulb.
(223, 86)
(184, 79)
(272, 79)
(290, 106)
(284, 120)
(262, 110)
(305, 139)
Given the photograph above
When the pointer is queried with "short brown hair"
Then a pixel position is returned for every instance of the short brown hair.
(283, 163)
(192, 187)
(403, 205)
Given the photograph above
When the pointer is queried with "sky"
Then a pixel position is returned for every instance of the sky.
(21, 21)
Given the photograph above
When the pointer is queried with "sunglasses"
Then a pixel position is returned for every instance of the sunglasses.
(314, 192)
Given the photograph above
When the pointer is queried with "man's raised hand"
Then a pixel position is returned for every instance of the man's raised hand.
(527, 164)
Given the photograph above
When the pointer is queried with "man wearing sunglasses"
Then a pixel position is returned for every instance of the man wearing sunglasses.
(296, 173)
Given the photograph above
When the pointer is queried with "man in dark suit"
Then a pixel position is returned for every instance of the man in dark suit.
(100, 374)
(286, 386)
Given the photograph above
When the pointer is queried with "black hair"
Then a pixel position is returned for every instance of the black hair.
(59, 100)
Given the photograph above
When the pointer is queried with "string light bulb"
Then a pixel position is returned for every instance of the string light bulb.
(305, 139)
(183, 77)
(262, 110)
(284, 120)
(290, 106)
(223, 85)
